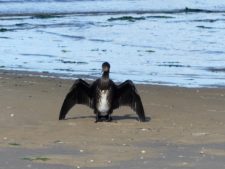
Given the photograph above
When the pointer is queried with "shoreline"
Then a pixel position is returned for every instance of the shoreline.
(186, 128)
(90, 78)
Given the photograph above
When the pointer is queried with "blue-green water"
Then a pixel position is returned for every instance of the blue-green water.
(167, 42)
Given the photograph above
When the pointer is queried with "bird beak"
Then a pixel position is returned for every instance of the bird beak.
(105, 69)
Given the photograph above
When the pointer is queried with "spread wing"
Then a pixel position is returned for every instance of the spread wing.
(127, 95)
(80, 93)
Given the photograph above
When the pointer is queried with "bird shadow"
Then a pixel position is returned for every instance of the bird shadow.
(129, 117)
(114, 118)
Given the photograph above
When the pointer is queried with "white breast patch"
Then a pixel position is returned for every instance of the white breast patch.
(103, 105)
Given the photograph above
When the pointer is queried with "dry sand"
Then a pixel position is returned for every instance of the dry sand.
(187, 128)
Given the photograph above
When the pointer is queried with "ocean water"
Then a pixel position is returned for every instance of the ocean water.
(166, 42)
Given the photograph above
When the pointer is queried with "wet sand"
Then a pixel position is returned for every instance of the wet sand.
(186, 128)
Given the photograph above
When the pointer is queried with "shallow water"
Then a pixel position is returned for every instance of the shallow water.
(154, 42)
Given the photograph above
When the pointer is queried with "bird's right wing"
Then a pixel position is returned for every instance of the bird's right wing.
(80, 93)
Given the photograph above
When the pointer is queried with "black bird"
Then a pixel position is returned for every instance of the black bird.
(103, 95)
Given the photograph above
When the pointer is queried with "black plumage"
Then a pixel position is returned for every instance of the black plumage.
(103, 96)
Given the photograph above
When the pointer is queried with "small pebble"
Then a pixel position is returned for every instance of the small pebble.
(145, 162)
(143, 151)
(184, 163)
(109, 161)
(29, 166)
(11, 115)
(199, 134)
(58, 141)
(78, 166)
(91, 161)
(203, 152)
(81, 151)
(5, 138)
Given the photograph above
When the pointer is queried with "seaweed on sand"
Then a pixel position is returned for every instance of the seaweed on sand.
(36, 158)
(14, 144)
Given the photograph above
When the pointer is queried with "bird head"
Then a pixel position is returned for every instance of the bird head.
(105, 67)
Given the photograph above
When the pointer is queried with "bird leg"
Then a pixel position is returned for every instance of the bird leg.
(98, 117)
(108, 118)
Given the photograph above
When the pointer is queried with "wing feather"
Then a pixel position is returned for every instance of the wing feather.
(80, 93)
(127, 95)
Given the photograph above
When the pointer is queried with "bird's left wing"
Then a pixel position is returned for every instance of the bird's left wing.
(80, 93)
(126, 95)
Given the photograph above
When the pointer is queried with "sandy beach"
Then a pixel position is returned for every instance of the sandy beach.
(186, 129)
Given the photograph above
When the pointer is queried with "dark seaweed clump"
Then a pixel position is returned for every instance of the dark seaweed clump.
(160, 17)
(192, 10)
(2, 37)
(65, 51)
(44, 16)
(72, 62)
(212, 69)
(208, 20)
(3, 30)
(172, 64)
(126, 18)
(204, 27)
(67, 70)
(21, 24)
(150, 51)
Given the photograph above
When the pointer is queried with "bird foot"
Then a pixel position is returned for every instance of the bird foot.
(98, 119)
(106, 118)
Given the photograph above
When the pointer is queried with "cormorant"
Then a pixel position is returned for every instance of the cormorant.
(103, 96)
